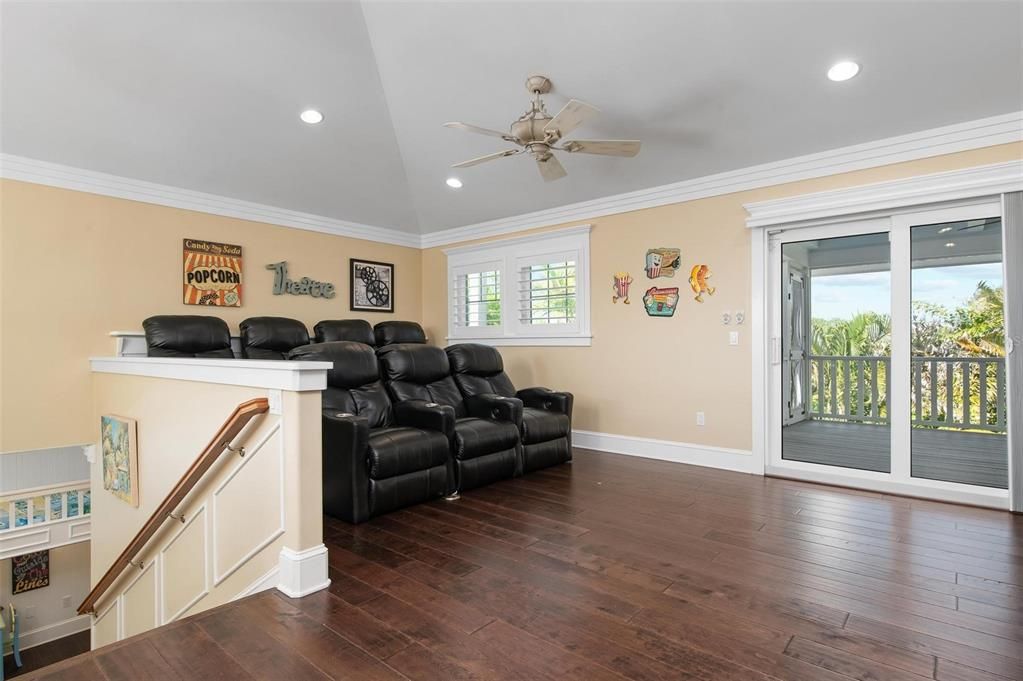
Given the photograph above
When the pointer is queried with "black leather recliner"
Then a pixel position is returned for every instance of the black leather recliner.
(377, 456)
(389, 333)
(486, 442)
(358, 330)
(546, 414)
(271, 337)
(187, 336)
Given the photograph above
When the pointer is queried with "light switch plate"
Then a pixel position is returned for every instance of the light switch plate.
(733, 337)
(276, 399)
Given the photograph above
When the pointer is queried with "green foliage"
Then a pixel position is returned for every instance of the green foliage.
(867, 333)
(976, 329)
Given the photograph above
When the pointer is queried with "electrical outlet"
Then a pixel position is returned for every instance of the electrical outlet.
(65, 601)
(700, 420)
(27, 614)
(726, 319)
(740, 316)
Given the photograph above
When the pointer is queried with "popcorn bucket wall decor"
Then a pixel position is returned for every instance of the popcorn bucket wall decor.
(622, 280)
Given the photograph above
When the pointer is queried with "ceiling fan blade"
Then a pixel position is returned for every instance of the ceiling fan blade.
(481, 131)
(488, 157)
(603, 147)
(551, 168)
(571, 117)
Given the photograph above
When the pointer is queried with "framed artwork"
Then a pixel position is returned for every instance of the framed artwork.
(663, 262)
(212, 273)
(660, 302)
(30, 571)
(372, 286)
(120, 457)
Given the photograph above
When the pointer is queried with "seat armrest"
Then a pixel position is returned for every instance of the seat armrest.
(345, 476)
(496, 407)
(550, 400)
(426, 415)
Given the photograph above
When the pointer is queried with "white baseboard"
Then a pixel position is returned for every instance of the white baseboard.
(267, 581)
(51, 632)
(740, 460)
(302, 572)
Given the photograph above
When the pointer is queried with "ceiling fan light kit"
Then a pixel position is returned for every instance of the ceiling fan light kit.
(538, 133)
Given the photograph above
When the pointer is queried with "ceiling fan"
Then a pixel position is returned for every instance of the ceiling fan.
(539, 134)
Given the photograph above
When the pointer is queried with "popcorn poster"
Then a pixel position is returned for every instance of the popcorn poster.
(212, 273)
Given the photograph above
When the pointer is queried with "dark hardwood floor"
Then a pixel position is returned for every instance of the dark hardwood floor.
(625, 568)
(46, 654)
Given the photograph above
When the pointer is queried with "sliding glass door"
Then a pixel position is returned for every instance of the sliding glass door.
(888, 354)
(837, 351)
(957, 363)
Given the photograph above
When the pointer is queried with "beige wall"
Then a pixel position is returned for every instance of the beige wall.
(237, 519)
(42, 609)
(75, 266)
(648, 377)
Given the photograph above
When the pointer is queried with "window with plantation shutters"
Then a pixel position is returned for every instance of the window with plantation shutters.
(548, 293)
(529, 290)
(477, 299)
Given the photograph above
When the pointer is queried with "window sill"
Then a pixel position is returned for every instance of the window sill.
(525, 341)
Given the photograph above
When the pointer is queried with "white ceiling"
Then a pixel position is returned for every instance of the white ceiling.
(206, 95)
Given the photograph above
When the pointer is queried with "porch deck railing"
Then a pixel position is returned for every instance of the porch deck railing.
(965, 393)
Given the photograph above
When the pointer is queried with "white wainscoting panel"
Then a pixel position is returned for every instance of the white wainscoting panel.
(185, 567)
(248, 507)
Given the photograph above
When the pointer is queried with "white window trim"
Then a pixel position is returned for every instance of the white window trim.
(512, 254)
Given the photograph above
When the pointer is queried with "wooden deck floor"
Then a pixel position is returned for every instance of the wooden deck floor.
(619, 568)
(969, 458)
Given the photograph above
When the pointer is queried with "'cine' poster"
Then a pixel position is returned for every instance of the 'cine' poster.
(213, 273)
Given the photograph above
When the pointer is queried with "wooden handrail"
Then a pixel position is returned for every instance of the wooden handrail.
(220, 443)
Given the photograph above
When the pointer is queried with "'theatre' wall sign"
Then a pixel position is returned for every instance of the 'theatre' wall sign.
(303, 287)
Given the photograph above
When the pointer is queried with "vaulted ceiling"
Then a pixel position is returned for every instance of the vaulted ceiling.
(206, 95)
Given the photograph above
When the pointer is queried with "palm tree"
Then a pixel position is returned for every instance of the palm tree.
(979, 326)
(867, 333)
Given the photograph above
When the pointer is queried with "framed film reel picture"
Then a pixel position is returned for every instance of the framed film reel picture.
(372, 286)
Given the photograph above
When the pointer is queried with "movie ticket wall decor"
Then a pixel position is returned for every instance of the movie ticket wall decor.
(213, 273)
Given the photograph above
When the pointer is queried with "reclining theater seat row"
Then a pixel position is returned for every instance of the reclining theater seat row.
(377, 456)
(402, 424)
(546, 424)
(486, 445)
(264, 337)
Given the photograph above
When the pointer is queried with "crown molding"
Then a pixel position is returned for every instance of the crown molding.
(949, 139)
(529, 238)
(885, 197)
(985, 132)
(66, 177)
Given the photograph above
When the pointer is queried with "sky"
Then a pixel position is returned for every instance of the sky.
(842, 296)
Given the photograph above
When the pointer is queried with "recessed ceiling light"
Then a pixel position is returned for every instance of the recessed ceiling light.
(950, 244)
(944, 230)
(843, 70)
(454, 183)
(311, 116)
